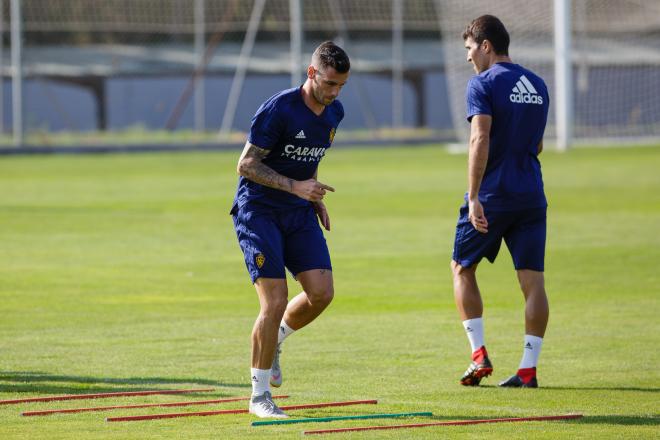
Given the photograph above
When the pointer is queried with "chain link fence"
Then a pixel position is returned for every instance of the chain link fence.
(134, 71)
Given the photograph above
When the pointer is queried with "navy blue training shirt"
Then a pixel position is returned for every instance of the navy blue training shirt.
(297, 139)
(518, 102)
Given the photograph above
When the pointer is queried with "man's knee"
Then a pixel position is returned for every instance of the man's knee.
(318, 286)
(321, 295)
(273, 299)
(275, 307)
(460, 271)
(531, 282)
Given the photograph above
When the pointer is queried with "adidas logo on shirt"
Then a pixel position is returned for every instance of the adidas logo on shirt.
(525, 93)
(301, 135)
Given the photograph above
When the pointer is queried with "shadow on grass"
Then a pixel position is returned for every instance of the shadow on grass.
(620, 420)
(542, 388)
(642, 389)
(612, 419)
(44, 383)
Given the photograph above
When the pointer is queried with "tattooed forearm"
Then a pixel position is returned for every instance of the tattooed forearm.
(250, 166)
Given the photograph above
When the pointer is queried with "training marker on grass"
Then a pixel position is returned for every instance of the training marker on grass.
(332, 419)
(145, 405)
(458, 422)
(235, 411)
(102, 395)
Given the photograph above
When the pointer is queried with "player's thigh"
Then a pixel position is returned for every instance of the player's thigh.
(305, 247)
(470, 245)
(261, 241)
(526, 239)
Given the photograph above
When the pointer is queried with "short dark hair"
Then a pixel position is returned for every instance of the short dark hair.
(328, 54)
(489, 27)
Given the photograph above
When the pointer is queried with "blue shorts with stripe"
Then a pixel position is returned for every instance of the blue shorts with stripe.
(523, 231)
(274, 240)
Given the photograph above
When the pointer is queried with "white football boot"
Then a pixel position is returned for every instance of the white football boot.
(264, 407)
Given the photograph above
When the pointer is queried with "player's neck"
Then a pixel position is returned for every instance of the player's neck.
(499, 59)
(309, 100)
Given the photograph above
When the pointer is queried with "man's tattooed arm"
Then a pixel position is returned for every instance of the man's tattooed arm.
(251, 167)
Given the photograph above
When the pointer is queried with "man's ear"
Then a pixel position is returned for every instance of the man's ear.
(487, 46)
(311, 72)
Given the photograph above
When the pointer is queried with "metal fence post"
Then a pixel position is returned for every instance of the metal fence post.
(17, 72)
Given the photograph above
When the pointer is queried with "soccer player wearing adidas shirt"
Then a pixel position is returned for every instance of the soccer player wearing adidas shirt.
(507, 107)
(275, 212)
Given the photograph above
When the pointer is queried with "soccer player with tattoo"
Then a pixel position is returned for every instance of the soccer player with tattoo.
(277, 210)
(507, 107)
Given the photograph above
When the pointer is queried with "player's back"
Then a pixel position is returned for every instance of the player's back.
(519, 108)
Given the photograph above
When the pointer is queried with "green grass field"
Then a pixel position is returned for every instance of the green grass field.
(122, 273)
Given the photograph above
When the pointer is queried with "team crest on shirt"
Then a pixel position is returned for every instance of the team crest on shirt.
(332, 134)
(260, 259)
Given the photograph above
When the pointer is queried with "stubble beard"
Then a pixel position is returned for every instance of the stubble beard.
(319, 98)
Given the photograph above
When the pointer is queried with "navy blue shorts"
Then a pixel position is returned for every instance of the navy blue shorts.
(273, 241)
(523, 232)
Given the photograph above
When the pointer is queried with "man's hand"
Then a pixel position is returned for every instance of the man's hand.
(322, 212)
(477, 217)
(310, 189)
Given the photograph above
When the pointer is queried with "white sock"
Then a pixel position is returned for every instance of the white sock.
(474, 328)
(284, 332)
(531, 351)
(260, 381)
